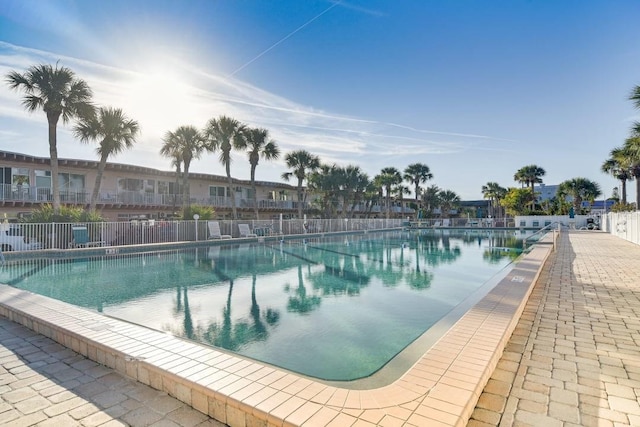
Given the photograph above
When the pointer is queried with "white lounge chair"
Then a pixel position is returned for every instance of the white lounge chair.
(245, 232)
(214, 231)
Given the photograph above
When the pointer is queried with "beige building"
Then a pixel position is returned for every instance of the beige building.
(129, 191)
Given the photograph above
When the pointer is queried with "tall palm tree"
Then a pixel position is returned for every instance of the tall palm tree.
(355, 186)
(580, 189)
(58, 92)
(635, 97)
(171, 150)
(529, 176)
(388, 178)
(494, 192)
(448, 200)
(400, 191)
(114, 133)
(631, 149)
(225, 134)
(302, 163)
(430, 197)
(416, 174)
(259, 145)
(326, 184)
(189, 143)
(619, 166)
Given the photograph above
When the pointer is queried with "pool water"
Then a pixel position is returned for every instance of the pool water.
(334, 309)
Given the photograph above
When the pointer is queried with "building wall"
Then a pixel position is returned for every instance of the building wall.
(113, 201)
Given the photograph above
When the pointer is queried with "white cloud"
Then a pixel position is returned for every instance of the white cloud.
(168, 94)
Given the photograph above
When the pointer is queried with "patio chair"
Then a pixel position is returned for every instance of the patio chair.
(245, 232)
(214, 231)
(81, 237)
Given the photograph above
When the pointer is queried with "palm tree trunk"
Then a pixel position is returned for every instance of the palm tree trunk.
(232, 192)
(624, 191)
(299, 199)
(96, 187)
(417, 203)
(255, 193)
(53, 155)
(186, 198)
(388, 203)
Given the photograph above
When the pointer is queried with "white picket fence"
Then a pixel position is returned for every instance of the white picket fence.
(60, 235)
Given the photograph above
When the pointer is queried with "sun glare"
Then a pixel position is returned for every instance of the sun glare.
(160, 99)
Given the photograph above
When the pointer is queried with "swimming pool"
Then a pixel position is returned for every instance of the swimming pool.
(335, 308)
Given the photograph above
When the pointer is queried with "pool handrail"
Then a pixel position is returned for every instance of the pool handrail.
(554, 226)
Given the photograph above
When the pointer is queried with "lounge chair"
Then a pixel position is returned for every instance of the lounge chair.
(245, 232)
(214, 231)
(436, 224)
(81, 237)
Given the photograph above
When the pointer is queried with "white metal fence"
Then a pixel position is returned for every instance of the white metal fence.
(625, 225)
(35, 236)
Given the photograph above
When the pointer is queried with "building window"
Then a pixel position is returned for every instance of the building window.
(168, 187)
(130, 184)
(215, 191)
(70, 182)
(281, 195)
(20, 177)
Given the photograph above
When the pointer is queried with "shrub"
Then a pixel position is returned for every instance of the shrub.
(46, 214)
(623, 207)
(205, 212)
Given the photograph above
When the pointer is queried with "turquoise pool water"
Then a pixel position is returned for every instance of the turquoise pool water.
(335, 309)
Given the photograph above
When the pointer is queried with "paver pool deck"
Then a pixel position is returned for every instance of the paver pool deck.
(573, 359)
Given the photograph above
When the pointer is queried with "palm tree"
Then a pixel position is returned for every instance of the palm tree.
(58, 92)
(448, 200)
(326, 183)
(400, 191)
(430, 197)
(580, 189)
(494, 192)
(387, 179)
(259, 145)
(632, 152)
(635, 97)
(355, 186)
(619, 166)
(114, 133)
(171, 150)
(302, 164)
(225, 134)
(528, 176)
(187, 143)
(417, 173)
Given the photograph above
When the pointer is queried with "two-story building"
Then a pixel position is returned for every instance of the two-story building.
(129, 191)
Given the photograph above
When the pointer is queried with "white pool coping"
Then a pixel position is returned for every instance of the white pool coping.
(440, 389)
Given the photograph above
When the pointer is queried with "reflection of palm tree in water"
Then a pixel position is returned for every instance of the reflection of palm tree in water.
(233, 336)
(417, 279)
(188, 321)
(259, 330)
(301, 303)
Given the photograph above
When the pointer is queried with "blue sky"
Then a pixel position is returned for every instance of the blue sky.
(475, 90)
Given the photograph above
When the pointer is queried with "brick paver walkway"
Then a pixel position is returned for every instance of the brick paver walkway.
(45, 384)
(574, 358)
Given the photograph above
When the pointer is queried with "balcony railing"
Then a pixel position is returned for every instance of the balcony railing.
(26, 193)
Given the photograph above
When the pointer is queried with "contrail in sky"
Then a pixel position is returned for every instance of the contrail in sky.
(285, 38)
